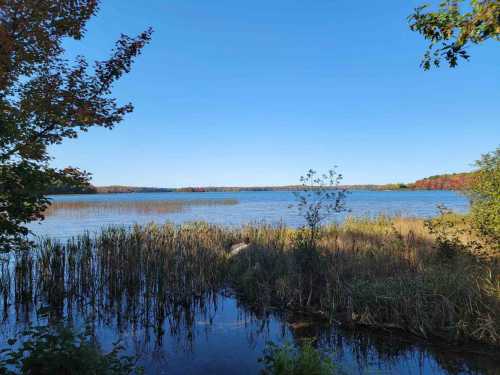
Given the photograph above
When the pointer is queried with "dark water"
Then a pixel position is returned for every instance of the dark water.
(263, 206)
(222, 337)
(218, 335)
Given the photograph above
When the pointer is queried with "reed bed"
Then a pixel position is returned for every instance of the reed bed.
(384, 273)
(138, 277)
(123, 207)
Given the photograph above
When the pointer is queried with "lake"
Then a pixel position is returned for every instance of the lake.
(246, 207)
(219, 334)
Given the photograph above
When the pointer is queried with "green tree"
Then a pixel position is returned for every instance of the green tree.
(453, 27)
(485, 196)
(46, 98)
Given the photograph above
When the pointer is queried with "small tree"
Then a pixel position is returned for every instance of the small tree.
(45, 99)
(320, 197)
(451, 30)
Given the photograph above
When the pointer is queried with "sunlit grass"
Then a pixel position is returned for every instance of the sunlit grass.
(140, 206)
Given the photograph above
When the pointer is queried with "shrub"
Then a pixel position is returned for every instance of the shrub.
(485, 197)
(448, 229)
(287, 360)
(47, 350)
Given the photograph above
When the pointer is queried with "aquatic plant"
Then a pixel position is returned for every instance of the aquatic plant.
(127, 206)
(141, 276)
(382, 273)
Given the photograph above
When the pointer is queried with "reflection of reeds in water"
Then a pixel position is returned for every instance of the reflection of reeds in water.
(140, 277)
(140, 207)
(384, 273)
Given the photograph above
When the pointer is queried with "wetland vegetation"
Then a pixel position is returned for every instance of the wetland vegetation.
(384, 273)
(434, 280)
(139, 207)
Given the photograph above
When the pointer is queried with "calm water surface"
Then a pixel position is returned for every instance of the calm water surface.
(266, 206)
(220, 335)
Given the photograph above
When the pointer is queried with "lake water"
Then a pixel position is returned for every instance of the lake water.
(220, 335)
(265, 206)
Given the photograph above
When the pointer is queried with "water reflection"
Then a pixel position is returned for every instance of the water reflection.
(217, 334)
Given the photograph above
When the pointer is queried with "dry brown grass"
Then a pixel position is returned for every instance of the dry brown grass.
(141, 207)
(385, 273)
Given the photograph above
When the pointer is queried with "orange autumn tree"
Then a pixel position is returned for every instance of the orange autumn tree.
(457, 181)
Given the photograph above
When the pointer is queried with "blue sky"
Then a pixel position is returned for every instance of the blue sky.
(257, 92)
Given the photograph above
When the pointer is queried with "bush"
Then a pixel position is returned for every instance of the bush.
(47, 350)
(287, 360)
(448, 229)
(485, 196)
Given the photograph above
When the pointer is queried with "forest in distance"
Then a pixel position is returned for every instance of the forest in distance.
(453, 181)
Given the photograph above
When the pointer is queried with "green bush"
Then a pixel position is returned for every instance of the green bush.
(485, 196)
(48, 350)
(288, 360)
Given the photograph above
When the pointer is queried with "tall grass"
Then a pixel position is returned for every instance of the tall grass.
(383, 273)
(139, 206)
(141, 276)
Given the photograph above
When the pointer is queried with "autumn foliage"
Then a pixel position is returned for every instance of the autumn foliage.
(456, 181)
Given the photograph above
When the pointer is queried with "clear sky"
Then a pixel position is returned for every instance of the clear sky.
(256, 92)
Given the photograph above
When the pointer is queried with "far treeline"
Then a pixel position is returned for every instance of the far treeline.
(455, 181)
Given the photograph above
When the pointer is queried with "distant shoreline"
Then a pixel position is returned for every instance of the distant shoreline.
(132, 189)
(454, 182)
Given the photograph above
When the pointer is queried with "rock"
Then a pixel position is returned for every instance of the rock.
(236, 248)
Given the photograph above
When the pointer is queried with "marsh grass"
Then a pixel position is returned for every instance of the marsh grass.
(138, 277)
(384, 273)
(123, 207)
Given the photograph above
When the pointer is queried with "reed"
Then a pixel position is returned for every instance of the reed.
(140, 206)
(384, 273)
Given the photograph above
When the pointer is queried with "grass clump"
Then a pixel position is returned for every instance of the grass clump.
(289, 360)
